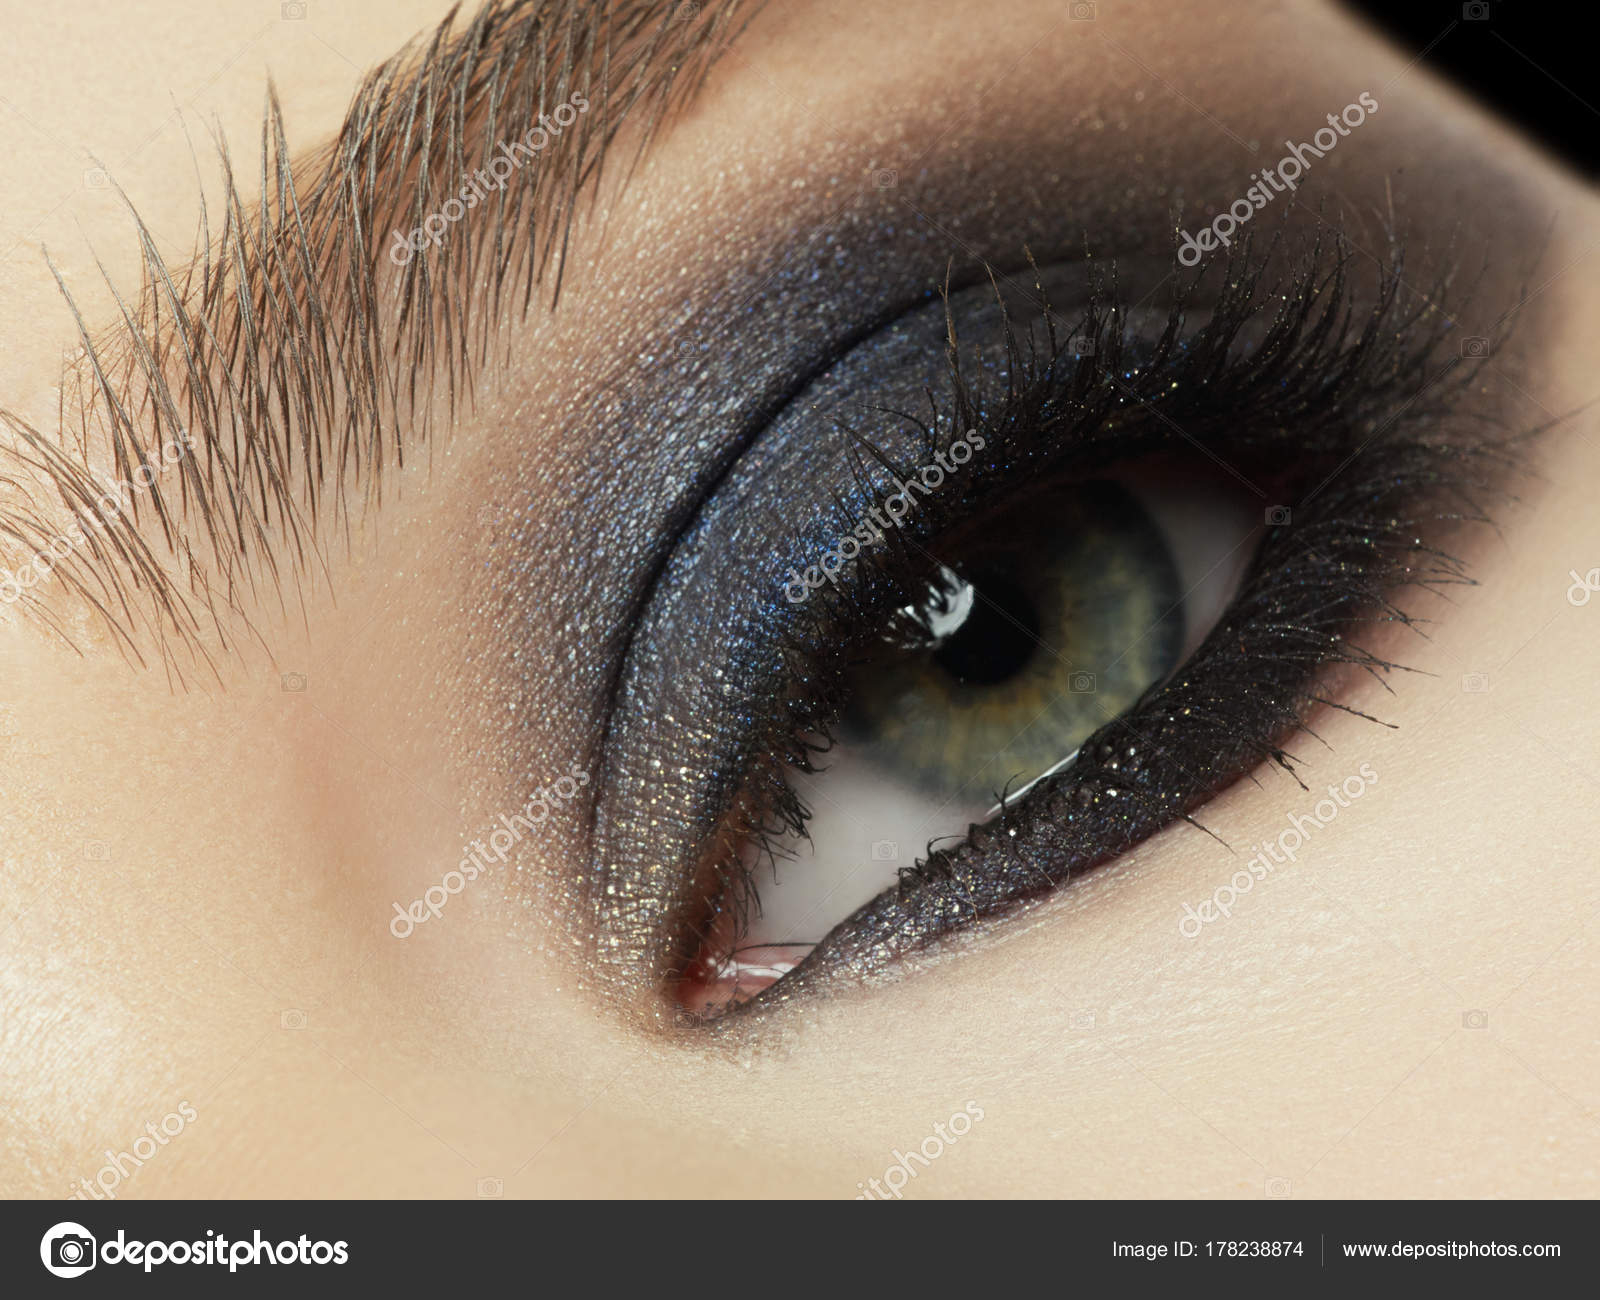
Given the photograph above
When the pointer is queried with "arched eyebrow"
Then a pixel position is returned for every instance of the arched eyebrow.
(319, 330)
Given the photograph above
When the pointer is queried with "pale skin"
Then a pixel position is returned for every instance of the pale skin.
(196, 882)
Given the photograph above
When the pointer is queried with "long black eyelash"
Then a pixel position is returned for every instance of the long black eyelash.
(1390, 463)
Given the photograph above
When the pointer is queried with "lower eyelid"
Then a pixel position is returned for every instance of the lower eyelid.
(1103, 787)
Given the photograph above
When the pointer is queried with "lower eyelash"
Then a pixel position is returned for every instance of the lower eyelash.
(1255, 681)
(1233, 706)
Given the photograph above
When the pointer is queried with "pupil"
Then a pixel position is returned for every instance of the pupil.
(997, 638)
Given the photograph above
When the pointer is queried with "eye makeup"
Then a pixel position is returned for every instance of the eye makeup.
(730, 686)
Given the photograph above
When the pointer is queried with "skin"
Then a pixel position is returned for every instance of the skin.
(193, 879)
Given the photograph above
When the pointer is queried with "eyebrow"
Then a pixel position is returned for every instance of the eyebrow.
(309, 346)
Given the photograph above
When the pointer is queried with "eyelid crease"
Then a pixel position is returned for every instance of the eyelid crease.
(296, 362)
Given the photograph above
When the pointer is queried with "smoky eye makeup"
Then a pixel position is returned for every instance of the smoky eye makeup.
(1052, 558)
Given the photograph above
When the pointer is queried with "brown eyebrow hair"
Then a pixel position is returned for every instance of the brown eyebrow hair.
(294, 354)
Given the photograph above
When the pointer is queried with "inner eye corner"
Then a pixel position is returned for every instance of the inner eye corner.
(718, 970)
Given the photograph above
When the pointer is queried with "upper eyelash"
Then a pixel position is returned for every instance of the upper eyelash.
(1026, 410)
(1305, 366)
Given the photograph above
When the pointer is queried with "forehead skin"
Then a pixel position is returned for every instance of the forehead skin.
(190, 876)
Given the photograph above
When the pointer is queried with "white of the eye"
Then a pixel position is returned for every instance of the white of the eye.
(865, 827)
(1212, 528)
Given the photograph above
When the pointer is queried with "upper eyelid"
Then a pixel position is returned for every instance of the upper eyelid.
(283, 353)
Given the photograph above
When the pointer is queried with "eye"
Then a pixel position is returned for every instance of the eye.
(919, 700)
(1039, 626)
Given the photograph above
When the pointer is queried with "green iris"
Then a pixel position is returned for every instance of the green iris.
(1068, 610)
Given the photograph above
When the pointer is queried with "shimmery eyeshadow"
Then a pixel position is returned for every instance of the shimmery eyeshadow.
(726, 675)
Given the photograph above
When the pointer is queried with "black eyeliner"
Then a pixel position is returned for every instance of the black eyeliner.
(1293, 374)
